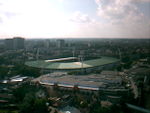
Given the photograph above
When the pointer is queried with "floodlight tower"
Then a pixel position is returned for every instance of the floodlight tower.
(73, 52)
(119, 53)
(37, 58)
(37, 54)
(82, 62)
(81, 59)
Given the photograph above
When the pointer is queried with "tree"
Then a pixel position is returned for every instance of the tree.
(40, 106)
(31, 104)
(125, 59)
(26, 71)
(21, 92)
(3, 72)
(27, 104)
(119, 68)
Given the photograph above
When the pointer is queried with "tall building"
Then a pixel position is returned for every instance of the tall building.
(9, 44)
(60, 43)
(18, 43)
(15, 43)
(47, 43)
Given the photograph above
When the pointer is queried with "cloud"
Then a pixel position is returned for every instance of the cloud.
(5, 12)
(115, 9)
(33, 18)
(124, 16)
(80, 18)
(120, 10)
(3, 17)
(1, 20)
(141, 0)
(112, 18)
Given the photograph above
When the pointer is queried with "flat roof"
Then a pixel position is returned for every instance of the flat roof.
(61, 59)
(45, 64)
(92, 82)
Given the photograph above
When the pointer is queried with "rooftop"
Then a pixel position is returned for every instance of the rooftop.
(92, 82)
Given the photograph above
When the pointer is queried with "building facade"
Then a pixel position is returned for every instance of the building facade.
(15, 43)
(60, 43)
(9, 44)
(18, 43)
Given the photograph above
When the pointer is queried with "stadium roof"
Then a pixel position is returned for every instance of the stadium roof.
(71, 65)
(89, 82)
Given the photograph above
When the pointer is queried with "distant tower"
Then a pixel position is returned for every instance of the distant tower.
(89, 44)
(9, 44)
(47, 43)
(18, 43)
(60, 43)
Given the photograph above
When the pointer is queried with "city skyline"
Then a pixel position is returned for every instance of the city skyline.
(75, 18)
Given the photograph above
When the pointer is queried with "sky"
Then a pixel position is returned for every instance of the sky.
(75, 18)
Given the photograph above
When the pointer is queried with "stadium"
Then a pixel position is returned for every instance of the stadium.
(72, 63)
(106, 82)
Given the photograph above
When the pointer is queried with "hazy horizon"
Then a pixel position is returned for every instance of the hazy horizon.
(54, 38)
